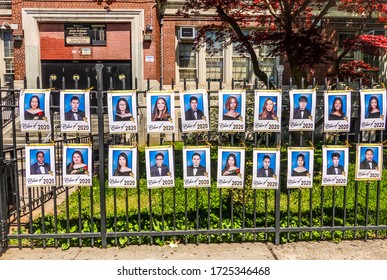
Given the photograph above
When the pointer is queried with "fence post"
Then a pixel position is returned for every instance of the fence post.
(98, 68)
(3, 195)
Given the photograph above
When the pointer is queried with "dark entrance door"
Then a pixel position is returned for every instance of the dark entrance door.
(87, 74)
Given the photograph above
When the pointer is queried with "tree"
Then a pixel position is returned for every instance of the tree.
(290, 28)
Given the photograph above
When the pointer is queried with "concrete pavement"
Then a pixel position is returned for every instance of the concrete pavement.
(322, 250)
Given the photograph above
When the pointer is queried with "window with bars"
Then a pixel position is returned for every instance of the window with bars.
(187, 62)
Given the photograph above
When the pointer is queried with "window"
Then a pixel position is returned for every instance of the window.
(214, 61)
(8, 56)
(241, 66)
(187, 62)
(342, 37)
(373, 60)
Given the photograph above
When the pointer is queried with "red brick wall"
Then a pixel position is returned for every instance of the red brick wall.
(52, 44)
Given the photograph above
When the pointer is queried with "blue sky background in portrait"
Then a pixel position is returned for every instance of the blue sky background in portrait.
(27, 99)
(262, 102)
(225, 155)
(307, 95)
(152, 155)
(237, 96)
(46, 152)
(273, 160)
(344, 103)
(367, 100)
(187, 105)
(374, 149)
(115, 100)
(341, 159)
(167, 99)
(202, 154)
(67, 98)
(294, 158)
(84, 152)
(128, 153)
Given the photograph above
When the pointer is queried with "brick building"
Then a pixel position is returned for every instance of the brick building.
(139, 39)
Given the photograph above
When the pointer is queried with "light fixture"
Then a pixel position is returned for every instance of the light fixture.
(18, 37)
(280, 71)
(7, 25)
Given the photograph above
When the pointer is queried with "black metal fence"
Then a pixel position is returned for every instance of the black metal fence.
(98, 216)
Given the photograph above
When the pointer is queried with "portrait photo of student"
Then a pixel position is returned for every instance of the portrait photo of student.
(40, 163)
(160, 109)
(34, 110)
(302, 108)
(302, 112)
(123, 166)
(337, 111)
(77, 162)
(122, 111)
(300, 167)
(232, 109)
(196, 169)
(196, 162)
(160, 112)
(230, 165)
(194, 110)
(267, 113)
(266, 168)
(369, 161)
(77, 165)
(159, 166)
(373, 109)
(193, 113)
(75, 111)
(335, 166)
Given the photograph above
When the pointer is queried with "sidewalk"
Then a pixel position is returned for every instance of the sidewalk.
(322, 250)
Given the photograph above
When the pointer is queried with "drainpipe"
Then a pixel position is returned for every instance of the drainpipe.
(161, 50)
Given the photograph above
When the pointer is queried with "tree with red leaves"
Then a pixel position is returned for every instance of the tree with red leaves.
(292, 29)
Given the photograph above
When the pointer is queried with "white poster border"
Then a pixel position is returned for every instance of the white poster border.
(125, 126)
(41, 124)
(270, 125)
(80, 126)
(123, 181)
